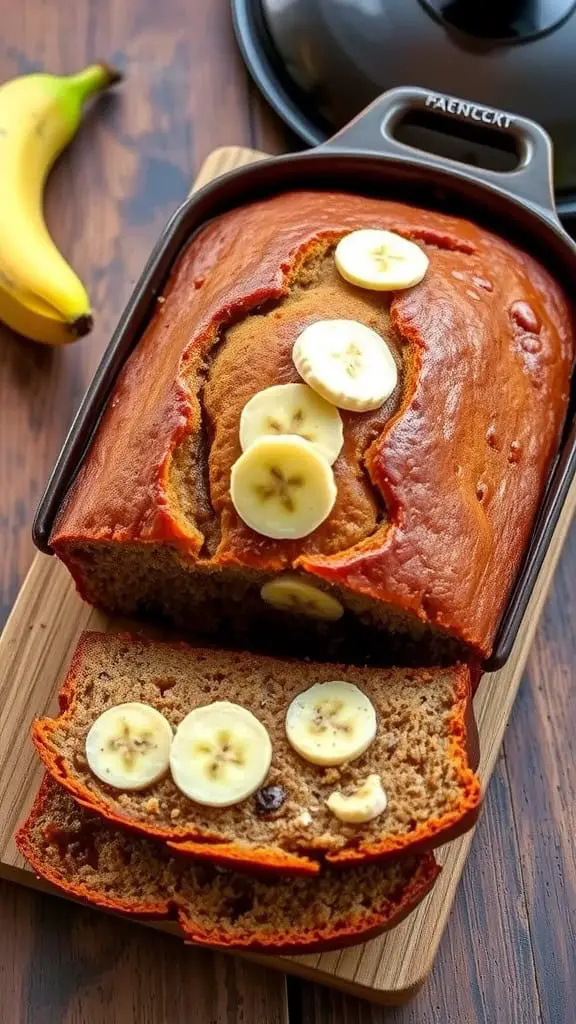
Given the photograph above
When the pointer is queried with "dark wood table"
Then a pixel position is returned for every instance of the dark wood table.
(509, 953)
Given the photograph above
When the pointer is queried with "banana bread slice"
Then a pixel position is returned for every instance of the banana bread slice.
(424, 751)
(93, 861)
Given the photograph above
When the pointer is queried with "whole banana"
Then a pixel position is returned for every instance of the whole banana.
(40, 295)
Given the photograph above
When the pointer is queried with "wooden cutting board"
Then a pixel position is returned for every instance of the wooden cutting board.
(35, 649)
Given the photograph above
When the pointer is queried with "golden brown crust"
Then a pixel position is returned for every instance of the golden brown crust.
(460, 466)
(170, 888)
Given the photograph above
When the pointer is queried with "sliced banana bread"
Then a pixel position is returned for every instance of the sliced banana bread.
(416, 771)
(93, 861)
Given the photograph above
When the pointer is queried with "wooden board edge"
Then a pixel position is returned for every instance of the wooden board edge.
(223, 160)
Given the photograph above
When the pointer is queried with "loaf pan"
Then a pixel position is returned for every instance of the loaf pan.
(367, 157)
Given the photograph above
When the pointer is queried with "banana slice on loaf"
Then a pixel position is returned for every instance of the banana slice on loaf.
(380, 260)
(293, 409)
(282, 487)
(347, 363)
(288, 593)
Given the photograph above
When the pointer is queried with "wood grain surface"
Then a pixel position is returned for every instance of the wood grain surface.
(509, 951)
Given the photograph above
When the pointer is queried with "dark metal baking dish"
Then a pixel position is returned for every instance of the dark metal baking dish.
(367, 157)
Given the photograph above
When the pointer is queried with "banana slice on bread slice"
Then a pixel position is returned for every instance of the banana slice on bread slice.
(128, 746)
(380, 260)
(293, 409)
(282, 487)
(347, 363)
(365, 803)
(331, 723)
(220, 754)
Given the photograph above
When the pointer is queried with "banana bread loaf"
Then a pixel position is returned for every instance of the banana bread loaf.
(437, 489)
(421, 752)
(105, 866)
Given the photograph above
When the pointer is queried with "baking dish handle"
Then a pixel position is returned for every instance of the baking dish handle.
(373, 131)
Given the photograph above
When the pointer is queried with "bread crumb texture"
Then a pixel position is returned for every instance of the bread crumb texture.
(421, 753)
(73, 849)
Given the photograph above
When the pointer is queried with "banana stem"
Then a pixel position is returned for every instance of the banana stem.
(94, 78)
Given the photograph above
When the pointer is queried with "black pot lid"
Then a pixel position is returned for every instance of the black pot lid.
(319, 62)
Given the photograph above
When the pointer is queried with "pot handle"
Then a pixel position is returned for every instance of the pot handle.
(530, 181)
